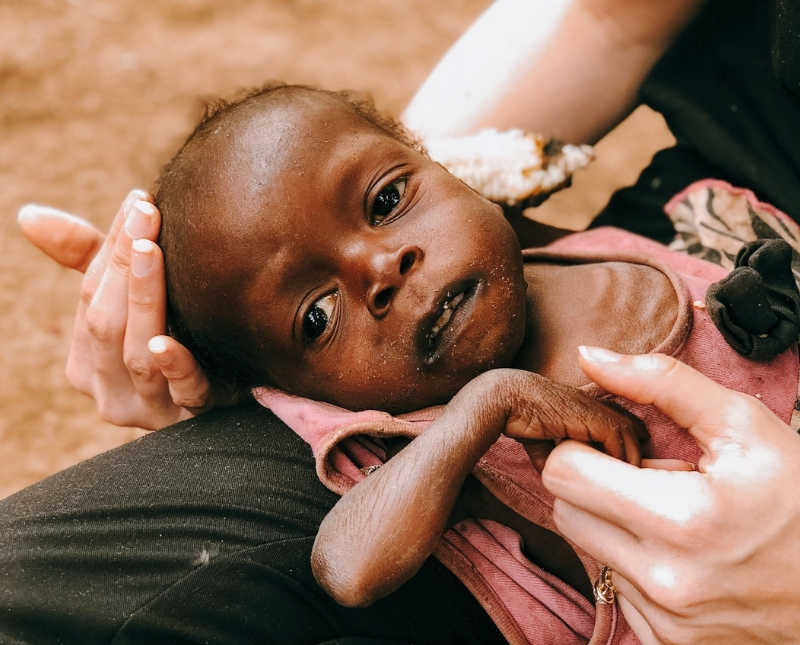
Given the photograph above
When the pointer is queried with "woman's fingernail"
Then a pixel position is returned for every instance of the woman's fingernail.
(140, 219)
(29, 213)
(598, 354)
(157, 345)
(142, 257)
(138, 193)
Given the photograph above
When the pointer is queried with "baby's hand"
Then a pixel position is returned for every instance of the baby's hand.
(541, 413)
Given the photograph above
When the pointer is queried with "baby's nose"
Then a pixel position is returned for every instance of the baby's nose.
(390, 271)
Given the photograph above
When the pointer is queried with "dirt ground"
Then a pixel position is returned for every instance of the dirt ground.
(95, 96)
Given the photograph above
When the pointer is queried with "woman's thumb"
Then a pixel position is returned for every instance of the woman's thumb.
(69, 240)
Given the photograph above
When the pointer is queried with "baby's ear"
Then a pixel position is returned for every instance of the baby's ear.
(512, 168)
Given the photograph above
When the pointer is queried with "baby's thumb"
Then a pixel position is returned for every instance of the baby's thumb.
(67, 239)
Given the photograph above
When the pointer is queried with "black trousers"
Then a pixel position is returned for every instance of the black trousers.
(199, 533)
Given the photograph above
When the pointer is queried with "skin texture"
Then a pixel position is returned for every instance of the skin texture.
(382, 530)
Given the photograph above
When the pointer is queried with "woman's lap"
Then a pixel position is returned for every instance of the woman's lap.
(199, 532)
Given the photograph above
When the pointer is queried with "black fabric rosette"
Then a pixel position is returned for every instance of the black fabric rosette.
(757, 306)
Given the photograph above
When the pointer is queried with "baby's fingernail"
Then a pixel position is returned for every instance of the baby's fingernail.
(598, 354)
(157, 345)
(140, 219)
(142, 257)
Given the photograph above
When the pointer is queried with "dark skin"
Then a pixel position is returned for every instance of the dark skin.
(347, 245)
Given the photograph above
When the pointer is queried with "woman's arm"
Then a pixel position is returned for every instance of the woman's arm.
(571, 69)
(379, 533)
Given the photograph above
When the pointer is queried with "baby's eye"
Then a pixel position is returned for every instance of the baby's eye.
(315, 320)
(387, 200)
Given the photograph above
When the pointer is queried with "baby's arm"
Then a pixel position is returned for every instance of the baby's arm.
(379, 534)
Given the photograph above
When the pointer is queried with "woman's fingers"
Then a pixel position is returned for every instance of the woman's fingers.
(79, 368)
(668, 464)
(644, 501)
(633, 562)
(98, 265)
(689, 398)
(608, 543)
(716, 546)
(69, 240)
(107, 314)
(122, 307)
(146, 318)
(188, 384)
(630, 600)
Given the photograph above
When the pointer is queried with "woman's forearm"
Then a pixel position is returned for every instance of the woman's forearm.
(482, 66)
(570, 69)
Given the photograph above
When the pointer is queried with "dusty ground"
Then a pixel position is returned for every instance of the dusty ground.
(94, 97)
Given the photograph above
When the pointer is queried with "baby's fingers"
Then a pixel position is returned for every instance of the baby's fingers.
(544, 410)
(188, 384)
(538, 452)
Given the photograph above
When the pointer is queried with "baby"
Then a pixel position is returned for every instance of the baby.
(311, 245)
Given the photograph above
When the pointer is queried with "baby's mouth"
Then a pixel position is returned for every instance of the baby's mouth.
(436, 324)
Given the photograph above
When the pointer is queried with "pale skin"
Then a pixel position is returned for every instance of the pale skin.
(722, 568)
(696, 602)
(137, 375)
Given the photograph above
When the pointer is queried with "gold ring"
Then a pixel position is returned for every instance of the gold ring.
(368, 470)
(604, 590)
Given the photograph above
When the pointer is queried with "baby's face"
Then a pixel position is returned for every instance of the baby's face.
(374, 278)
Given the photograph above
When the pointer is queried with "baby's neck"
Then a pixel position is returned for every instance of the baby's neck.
(622, 306)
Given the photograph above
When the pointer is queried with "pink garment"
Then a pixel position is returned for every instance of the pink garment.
(530, 605)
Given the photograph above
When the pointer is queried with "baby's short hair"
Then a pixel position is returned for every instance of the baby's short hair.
(224, 353)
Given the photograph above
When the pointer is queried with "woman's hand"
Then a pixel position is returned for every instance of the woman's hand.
(711, 556)
(118, 353)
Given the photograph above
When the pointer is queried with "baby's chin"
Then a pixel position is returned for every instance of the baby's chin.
(433, 389)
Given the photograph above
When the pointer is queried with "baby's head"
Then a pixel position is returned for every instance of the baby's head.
(311, 245)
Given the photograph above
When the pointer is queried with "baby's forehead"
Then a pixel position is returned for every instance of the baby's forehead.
(255, 151)
(280, 125)
(267, 160)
